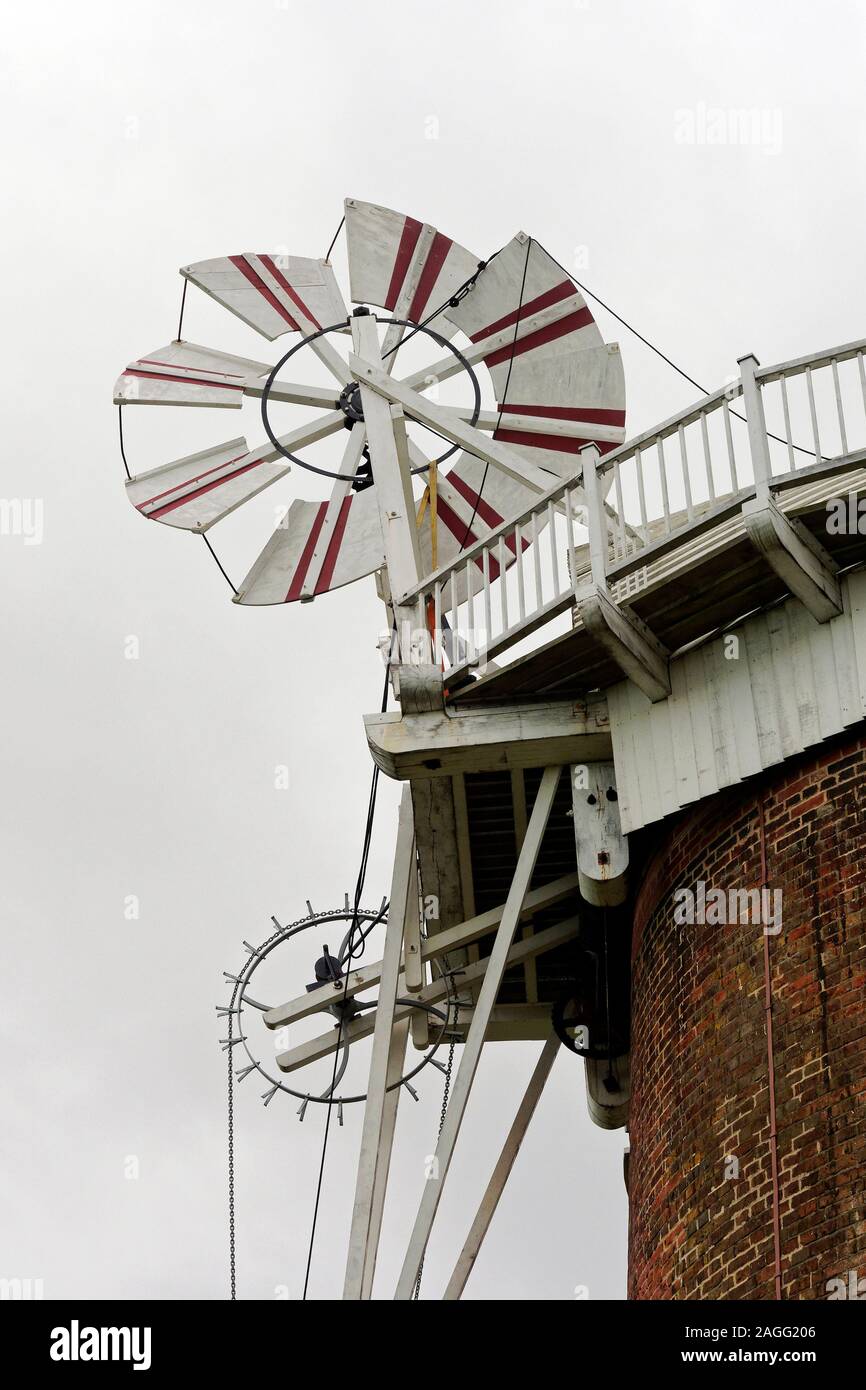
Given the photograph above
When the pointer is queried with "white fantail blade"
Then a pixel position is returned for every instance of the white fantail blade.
(187, 374)
(502, 296)
(402, 265)
(275, 294)
(558, 401)
(195, 492)
(354, 548)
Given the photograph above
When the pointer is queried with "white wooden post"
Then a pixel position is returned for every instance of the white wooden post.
(396, 1063)
(393, 483)
(496, 965)
(596, 517)
(403, 890)
(502, 1171)
(759, 444)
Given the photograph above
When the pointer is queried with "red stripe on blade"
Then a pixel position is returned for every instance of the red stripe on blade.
(300, 574)
(405, 251)
(429, 275)
(583, 415)
(532, 306)
(484, 510)
(462, 536)
(327, 574)
(292, 293)
(562, 444)
(187, 380)
(199, 491)
(258, 283)
(548, 334)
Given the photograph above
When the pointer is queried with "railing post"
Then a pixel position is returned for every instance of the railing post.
(759, 445)
(596, 519)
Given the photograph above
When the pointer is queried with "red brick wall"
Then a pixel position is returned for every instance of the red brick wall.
(699, 1045)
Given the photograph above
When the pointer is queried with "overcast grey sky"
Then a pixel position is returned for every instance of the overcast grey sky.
(138, 139)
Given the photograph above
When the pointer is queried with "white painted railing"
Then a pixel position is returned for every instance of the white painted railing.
(769, 426)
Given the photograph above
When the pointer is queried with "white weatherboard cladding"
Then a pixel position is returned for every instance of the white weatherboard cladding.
(794, 683)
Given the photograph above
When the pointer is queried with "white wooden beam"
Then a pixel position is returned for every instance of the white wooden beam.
(439, 944)
(362, 1027)
(393, 482)
(403, 890)
(434, 743)
(636, 651)
(496, 966)
(502, 1171)
(396, 1062)
(793, 553)
(602, 849)
(453, 428)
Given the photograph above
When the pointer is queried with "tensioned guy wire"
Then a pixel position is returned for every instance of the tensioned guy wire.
(504, 394)
(334, 237)
(359, 888)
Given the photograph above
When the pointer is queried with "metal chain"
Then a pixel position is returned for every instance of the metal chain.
(231, 1158)
(446, 1090)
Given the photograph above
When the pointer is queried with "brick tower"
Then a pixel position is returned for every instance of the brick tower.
(747, 1172)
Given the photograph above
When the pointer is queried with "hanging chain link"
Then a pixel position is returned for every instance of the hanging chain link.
(446, 1090)
(231, 1164)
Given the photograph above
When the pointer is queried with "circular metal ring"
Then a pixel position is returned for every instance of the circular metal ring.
(336, 328)
(285, 934)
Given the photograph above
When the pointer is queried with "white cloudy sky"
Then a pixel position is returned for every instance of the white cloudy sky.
(141, 138)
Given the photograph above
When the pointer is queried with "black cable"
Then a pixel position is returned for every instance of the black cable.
(359, 888)
(122, 452)
(334, 238)
(219, 565)
(182, 307)
(453, 299)
(504, 394)
(658, 352)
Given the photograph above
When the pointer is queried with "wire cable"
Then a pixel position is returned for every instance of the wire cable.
(122, 451)
(182, 307)
(664, 357)
(468, 531)
(334, 237)
(219, 564)
(359, 888)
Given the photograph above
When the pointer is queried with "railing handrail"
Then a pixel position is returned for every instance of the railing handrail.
(730, 391)
(796, 365)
